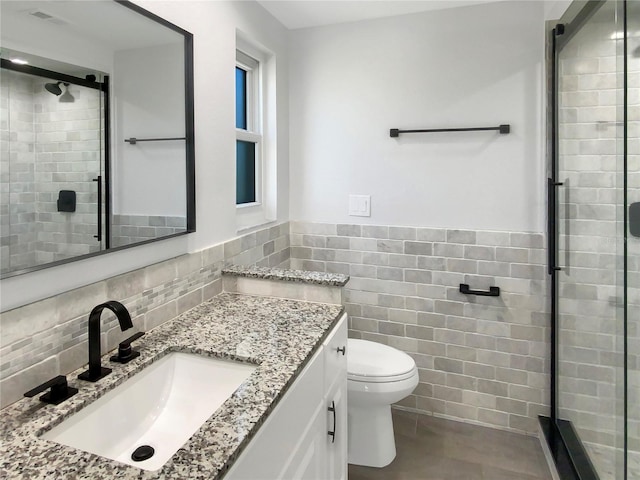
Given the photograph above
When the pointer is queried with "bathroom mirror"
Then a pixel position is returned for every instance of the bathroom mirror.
(96, 125)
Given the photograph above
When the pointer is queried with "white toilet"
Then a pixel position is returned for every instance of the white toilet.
(378, 375)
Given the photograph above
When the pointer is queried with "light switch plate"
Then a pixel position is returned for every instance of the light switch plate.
(360, 205)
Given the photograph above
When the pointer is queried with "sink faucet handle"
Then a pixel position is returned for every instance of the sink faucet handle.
(126, 343)
(125, 352)
(60, 390)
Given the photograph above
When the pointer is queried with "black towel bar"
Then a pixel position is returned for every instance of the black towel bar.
(493, 291)
(394, 132)
(134, 140)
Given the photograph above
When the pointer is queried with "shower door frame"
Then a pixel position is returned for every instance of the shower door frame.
(564, 443)
(104, 218)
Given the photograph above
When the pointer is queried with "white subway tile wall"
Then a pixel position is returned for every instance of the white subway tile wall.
(481, 359)
(49, 337)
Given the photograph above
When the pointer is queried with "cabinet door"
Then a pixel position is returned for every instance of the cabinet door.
(274, 449)
(337, 444)
(335, 355)
(293, 443)
(335, 377)
(309, 461)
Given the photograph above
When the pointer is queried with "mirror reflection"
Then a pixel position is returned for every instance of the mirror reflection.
(95, 115)
(51, 163)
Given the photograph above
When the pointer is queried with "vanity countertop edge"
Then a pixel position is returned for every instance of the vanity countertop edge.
(287, 275)
(280, 335)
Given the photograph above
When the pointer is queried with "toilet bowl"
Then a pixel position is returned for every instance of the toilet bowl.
(377, 376)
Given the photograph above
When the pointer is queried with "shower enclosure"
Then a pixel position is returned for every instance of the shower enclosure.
(53, 164)
(594, 235)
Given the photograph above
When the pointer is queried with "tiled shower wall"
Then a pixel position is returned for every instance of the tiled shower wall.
(52, 146)
(591, 355)
(588, 377)
(49, 337)
(481, 359)
(17, 175)
(68, 146)
(633, 261)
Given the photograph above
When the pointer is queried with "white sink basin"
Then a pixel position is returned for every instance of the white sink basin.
(162, 406)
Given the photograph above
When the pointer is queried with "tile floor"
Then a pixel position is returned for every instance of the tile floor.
(430, 448)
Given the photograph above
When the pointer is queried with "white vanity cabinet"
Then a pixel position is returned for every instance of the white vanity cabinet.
(295, 442)
(335, 386)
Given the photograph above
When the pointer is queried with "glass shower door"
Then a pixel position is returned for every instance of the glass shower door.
(51, 164)
(590, 225)
(633, 240)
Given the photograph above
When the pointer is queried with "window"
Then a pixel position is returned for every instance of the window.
(256, 134)
(248, 130)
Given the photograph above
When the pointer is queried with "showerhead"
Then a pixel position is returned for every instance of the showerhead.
(53, 88)
(57, 91)
(67, 97)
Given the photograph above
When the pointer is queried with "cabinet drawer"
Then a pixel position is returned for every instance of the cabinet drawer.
(335, 354)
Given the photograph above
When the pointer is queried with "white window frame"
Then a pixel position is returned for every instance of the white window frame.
(253, 132)
(260, 67)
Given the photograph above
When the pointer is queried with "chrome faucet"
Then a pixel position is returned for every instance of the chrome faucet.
(96, 371)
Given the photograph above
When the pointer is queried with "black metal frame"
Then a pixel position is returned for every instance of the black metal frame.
(552, 213)
(555, 445)
(190, 167)
(571, 28)
(625, 222)
(107, 155)
(189, 110)
(569, 454)
(43, 72)
(558, 448)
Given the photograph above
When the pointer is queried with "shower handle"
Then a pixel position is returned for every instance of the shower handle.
(99, 182)
(551, 225)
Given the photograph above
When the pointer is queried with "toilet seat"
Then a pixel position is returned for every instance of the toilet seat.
(377, 363)
(389, 379)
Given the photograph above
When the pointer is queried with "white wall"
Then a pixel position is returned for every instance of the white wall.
(351, 83)
(149, 177)
(470, 66)
(50, 41)
(214, 26)
(554, 9)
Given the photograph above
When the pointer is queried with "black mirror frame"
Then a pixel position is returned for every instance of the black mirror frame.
(189, 157)
(189, 112)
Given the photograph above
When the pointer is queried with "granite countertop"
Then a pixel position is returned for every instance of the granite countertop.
(299, 276)
(277, 334)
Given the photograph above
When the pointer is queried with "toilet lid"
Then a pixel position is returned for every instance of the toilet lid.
(371, 361)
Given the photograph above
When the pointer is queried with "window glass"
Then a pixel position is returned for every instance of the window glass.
(245, 172)
(241, 98)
